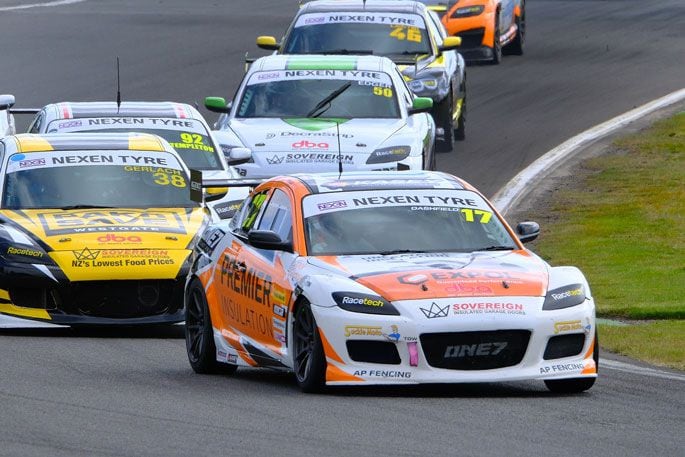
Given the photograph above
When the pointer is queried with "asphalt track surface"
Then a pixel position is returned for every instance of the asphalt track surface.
(131, 392)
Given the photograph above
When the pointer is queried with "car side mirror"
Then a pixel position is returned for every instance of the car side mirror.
(421, 105)
(527, 231)
(268, 239)
(450, 43)
(6, 101)
(268, 42)
(237, 156)
(218, 105)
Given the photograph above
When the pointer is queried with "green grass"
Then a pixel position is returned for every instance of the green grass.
(657, 342)
(624, 226)
(622, 221)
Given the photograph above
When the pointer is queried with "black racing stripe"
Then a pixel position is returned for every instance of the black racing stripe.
(261, 357)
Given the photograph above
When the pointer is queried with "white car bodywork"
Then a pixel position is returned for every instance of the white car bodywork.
(284, 145)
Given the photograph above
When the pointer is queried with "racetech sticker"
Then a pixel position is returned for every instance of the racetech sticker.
(469, 203)
(113, 123)
(362, 77)
(411, 20)
(22, 162)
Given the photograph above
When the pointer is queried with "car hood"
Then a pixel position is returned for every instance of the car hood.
(266, 135)
(121, 243)
(442, 275)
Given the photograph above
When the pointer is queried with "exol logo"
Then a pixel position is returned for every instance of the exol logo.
(474, 350)
(275, 160)
(435, 311)
(304, 144)
(86, 254)
(111, 238)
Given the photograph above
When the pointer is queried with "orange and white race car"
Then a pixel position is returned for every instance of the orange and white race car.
(384, 278)
(486, 27)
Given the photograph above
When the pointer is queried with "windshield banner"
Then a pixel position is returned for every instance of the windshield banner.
(132, 159)
(363, 77)
(416, 199)
(410, 20)
(123, 123)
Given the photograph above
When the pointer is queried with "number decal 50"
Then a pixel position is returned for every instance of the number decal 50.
(382, 91)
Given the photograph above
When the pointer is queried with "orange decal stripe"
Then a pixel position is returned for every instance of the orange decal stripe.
(335, 374)
(328, 348)
(590, 365)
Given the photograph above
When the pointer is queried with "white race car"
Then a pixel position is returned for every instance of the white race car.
(322, 113)
(385, 278)
(178, 123)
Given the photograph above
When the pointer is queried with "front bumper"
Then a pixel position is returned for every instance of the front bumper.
(471, 347)
(43, 293)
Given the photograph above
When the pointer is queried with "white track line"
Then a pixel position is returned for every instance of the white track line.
(508, 196)
(635, 369)
(38, 5)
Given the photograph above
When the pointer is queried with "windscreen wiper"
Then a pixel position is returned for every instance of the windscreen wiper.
(401, 251)
(496, 248)
(85, 207)
(327, 100)
(344, 51)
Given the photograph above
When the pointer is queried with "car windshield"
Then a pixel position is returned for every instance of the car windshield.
(296, 93)
(402, 221)
(118, 179)
(387, 34)
(189, 137)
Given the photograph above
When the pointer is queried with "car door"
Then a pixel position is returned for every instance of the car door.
(263, 292)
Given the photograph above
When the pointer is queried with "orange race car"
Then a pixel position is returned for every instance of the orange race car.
(486, 27)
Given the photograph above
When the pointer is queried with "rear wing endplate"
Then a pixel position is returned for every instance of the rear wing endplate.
(197, 184)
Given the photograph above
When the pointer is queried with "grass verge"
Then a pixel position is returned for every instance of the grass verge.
(622, 221)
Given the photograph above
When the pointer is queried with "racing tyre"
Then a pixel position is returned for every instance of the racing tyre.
(516, 46)
(496, 43)
(199, 335)
(309, 358)
(443, 119)
(575, 385)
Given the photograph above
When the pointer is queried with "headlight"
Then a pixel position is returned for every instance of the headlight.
(364, 303)
(468, 11)
(564, 297)
(391, 154)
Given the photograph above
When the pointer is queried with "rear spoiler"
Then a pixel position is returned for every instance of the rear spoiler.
(197, 184)
(24, 110)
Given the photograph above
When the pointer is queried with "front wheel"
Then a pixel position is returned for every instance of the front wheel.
(199, 334)
(496, 43)
(443, 120)
(516, 46)
(309, 358)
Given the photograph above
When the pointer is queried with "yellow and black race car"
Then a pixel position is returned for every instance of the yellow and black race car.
(94, 229)
(406, 32)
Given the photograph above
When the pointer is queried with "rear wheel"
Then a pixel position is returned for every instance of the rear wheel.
(516, 46)
(199, 335)
(309, 358)
(575, 385)
(443, 120)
